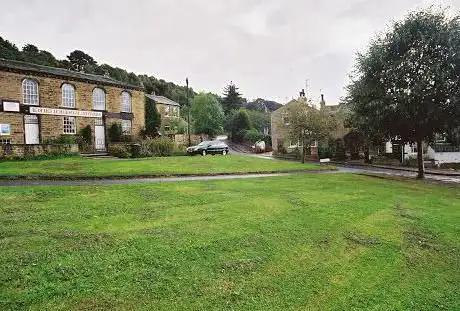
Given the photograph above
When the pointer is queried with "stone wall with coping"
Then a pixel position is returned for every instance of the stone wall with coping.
(22, 150)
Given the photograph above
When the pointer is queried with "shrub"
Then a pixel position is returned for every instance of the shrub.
(161, 147)
(144, 149)
(179, 150)
(253, 136)
(119, 151)
(85, 138)
(115, 133)
(63, 140)
(126, 138)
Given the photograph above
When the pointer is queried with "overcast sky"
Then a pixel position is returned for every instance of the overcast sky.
(269, 48)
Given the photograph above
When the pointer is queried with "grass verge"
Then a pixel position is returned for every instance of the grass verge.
(81, 168)
(309, 242)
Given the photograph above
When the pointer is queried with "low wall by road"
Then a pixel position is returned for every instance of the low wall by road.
(36, 150)
(447, 157)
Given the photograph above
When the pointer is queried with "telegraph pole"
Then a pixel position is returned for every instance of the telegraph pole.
(188, 117)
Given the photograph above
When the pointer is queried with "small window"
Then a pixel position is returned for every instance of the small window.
(30, 92)
(70, 126)
(126, 127)
(68, 96)
(125, 102)
(98, 99)
(167, 109)
(5, 141)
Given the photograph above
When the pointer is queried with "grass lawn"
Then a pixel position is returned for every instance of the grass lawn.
(76, 166)
(304, 242)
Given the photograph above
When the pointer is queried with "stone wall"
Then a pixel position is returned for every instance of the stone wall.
(35, 150)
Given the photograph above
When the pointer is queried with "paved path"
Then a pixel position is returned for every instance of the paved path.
(398, 173)
(341, 169)
(129, 181)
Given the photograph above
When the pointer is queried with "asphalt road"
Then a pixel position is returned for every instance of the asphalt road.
(341, 169)
(398, 173)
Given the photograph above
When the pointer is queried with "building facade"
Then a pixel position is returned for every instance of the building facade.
(280, 125)
(39, 104)
(169, 111)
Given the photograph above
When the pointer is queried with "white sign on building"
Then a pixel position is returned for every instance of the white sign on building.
(11, 106)
(65, 112)
(5, 130)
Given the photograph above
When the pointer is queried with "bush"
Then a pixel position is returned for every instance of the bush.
(115, 133)
(126, 138)
(325, 153)
(253, 136)
(85, 138)
(119, 151)
(144, 149)
(179, 150)
(161, 147)
(63, 140)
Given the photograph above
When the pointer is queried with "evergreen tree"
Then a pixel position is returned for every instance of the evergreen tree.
(152, 118)
(232, 100)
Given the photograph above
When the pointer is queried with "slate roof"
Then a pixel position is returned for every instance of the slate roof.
(162, 100)
(34, 69)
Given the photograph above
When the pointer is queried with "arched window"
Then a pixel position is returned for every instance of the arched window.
(125, 102)
(30, 92)
(98, 99)
(68, 96)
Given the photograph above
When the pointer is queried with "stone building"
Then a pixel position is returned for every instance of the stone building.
(280, 125)
(170, 113)
(39, 104)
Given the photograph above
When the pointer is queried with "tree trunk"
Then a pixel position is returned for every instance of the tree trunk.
(421, 166)
(303, 150)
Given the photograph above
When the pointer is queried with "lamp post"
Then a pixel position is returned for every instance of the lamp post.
(188, 116)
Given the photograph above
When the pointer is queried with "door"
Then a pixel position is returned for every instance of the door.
(99, 135)
(31, 129)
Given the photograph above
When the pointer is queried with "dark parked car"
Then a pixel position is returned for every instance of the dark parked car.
(209, 147)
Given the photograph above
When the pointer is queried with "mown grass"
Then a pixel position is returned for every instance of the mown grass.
(76, 166)
(314, 242)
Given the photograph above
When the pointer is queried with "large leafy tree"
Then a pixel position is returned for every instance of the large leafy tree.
(80, 61)
(33, 55)
(407, 85)
(207, 114)
(307, 125)
(239, 123)
(9, 51)
(232, 99)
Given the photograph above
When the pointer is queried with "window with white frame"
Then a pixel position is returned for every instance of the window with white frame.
(5, 141)
(70, 125)
(68, 96)
(30, 92)
(98, 99)
(125, 102)
(126, 127)
(167, 109)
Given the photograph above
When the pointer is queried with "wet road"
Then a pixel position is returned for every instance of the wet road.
(398, 173)
(341, 169)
